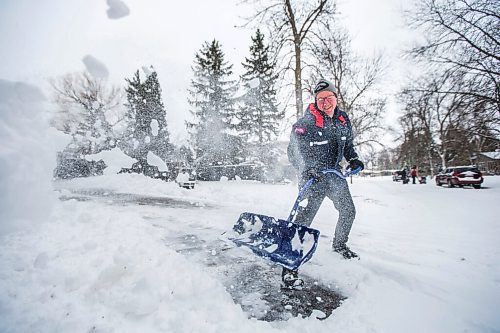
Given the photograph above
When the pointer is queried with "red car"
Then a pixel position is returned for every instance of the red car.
(460, 176)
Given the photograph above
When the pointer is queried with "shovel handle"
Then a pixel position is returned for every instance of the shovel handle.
(348, 174)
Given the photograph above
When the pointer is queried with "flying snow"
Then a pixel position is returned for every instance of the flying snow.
(115, 159)
(95, 67)
(147, 70)
(154, 127)
(26, 156)
(117, 9)
(153, 159)
(254, 83)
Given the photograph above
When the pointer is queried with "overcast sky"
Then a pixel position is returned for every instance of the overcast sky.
(42, 39)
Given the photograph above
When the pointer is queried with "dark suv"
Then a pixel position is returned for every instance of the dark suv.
(399, 175)
(460, 176)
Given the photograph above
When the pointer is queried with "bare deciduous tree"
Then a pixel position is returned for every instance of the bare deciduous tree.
(439, 114)
(457, 102)
(357, 81)
(83, 102)
(290, 28)
(463, 39)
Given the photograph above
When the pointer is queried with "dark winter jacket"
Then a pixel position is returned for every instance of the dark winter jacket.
(320, 142)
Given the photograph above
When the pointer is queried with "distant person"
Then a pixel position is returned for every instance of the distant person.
(319, 141)
(414, 174)
(404, 176)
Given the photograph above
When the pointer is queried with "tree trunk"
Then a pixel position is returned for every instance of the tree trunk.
(299, 106)
(431, 163)
(443, 160)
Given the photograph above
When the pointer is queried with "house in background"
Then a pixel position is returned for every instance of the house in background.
(488, 162)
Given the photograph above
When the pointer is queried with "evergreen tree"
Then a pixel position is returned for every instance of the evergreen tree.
(214, 125)
(259, 115)
(134, 137)
(148, 129)
(155, 110)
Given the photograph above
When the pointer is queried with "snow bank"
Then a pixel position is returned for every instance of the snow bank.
(108, 266)
(84, 276)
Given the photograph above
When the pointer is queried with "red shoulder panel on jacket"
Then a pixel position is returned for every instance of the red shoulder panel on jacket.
(342, 119)
(317, 115)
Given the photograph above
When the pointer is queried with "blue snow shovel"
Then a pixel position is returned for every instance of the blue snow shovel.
(287, 243)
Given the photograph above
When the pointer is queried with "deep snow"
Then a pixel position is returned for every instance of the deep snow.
(102, 262)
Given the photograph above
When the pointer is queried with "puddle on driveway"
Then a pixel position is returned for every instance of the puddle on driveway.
(123, 199)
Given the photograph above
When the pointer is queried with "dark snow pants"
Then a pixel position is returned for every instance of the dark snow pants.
(337, 190)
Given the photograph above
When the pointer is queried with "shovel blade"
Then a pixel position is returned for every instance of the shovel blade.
(285, 243)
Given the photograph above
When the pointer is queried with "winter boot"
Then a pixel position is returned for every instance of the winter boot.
(345, 251)
(290, 280)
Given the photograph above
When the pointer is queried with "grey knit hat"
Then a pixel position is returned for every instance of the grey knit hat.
(324, 85)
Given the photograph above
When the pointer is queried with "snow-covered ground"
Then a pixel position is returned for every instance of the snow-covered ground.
(102, 262)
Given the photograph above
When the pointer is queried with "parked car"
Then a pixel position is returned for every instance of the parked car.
(399, 175)
(460, 176)
(186, 178)
(148, 170)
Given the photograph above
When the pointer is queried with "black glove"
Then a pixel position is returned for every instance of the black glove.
(355, 164)
(315, 174)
